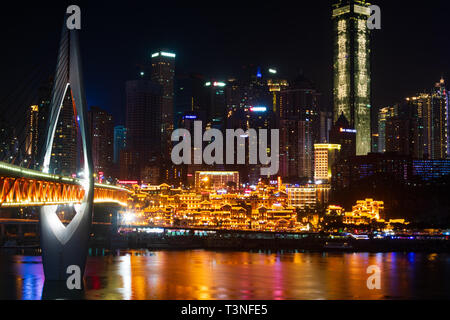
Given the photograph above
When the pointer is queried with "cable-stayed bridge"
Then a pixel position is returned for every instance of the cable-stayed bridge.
(28, 170)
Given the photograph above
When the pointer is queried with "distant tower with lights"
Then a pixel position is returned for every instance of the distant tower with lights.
(351, 69)
(163, 73)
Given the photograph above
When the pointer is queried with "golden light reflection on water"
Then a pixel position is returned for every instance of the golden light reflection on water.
(203, 275)
(200, 274)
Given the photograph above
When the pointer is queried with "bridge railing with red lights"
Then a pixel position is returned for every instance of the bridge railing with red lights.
(21, 187)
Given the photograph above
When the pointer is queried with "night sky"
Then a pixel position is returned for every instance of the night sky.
(215, 38)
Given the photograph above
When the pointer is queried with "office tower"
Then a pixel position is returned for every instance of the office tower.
(275, 86)
(299, 124)
(233, 93)
(325, 156)
(215, 103)
(433, 121)
(401, 130)
(163, 73)
(43, 103)
(143, 123)
(186, 172)
(120, 141)
(64, 152)
(101, 127)
(440, 121)
(259, 117)
(383, 115)
(9, 143)
(326, 123)
(32, 135)
(342, 133)
(189, 96)
(351, 68)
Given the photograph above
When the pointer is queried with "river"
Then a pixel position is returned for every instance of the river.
(203, 274)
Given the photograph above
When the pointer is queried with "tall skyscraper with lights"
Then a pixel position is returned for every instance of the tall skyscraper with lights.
(351, 68)
(143, 123)
(120, 141)
(163, 73)
(31, 144)
(101, 125)
(64, 152)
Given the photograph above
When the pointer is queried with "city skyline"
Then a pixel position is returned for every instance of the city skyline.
(224, 182)
(392, 46)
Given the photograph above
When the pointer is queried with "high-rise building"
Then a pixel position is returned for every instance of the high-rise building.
(383, 115)
(245, 118)
(215, 103)
(32, 138)
(299, 124)
(120, 141)
(441, 145)
(401, 130)
(233, 94)
(64, 152)
(189, 96)
(326, 123)
(351, 66)
(325, 155)
(163, 73)
(44, 97)
(343, 134)
(101, 127)
(418, 126)
(143, 123)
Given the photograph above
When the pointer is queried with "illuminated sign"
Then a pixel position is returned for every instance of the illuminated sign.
(190, 117)
(219, 84)
(348, 130)
(167, 54)
(362, 10)
(164, 54)
(258, 109)
(128, 182)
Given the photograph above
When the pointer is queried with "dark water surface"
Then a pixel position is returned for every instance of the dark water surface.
(202, 274)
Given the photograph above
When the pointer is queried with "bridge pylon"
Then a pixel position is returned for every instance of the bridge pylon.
(66, 246)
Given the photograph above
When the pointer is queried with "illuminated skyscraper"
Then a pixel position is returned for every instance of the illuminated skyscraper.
(120, 141)
(433, 118)
(64, 152)
(32, 133)
(325, 156)
(102, 136)
(143, 123)
(299, 110)
(163, 73)
(351, 65)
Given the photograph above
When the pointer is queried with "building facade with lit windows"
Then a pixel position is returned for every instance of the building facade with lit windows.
(143, 123)
(163, 73)
(216, 180)
(64, 151)
(32, 138)
(101, 125)
(417, 126)
(351, 68)
(325, 155)
(307, 196)
(299, 123)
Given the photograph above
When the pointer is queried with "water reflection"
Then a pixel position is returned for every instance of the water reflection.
(200, 274)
